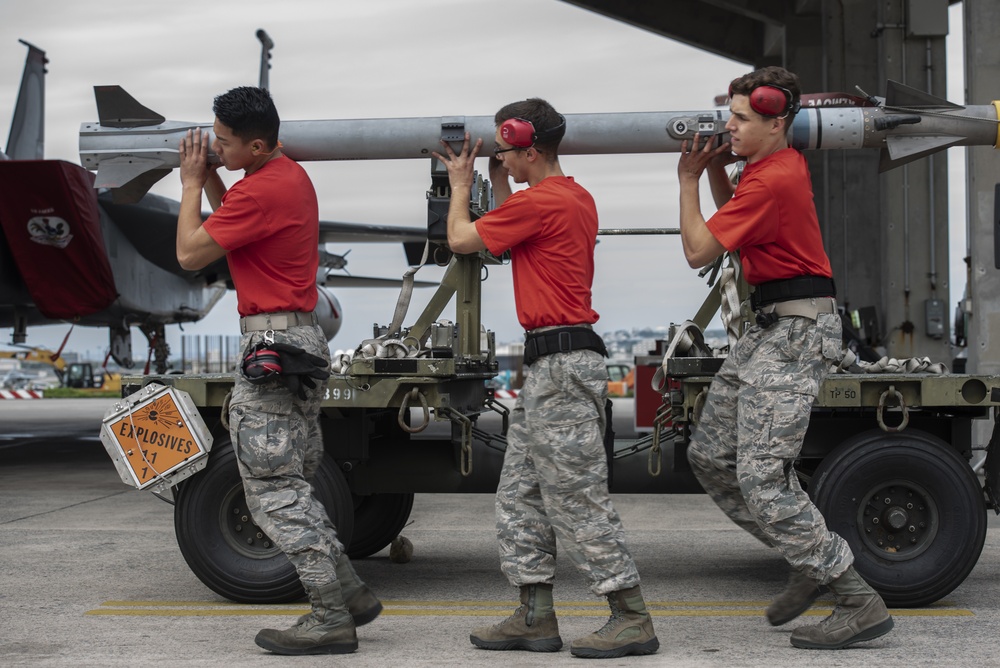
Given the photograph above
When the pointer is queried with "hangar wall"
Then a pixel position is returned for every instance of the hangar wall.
(982, 80)
(887, 234)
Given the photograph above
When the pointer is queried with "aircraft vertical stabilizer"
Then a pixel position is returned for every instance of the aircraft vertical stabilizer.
(27, 130)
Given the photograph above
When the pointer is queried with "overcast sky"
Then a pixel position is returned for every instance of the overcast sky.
(396, 58)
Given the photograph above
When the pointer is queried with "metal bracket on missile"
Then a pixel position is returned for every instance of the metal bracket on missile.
(439, 195)
(685, 127)
(453, 128)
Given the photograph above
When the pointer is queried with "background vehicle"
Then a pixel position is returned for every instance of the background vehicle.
(621, 379)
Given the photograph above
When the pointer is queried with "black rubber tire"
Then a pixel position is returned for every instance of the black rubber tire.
(378, 518)
(241, 564)
(916, 495)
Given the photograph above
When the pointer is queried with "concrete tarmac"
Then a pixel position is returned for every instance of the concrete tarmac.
(92, 576)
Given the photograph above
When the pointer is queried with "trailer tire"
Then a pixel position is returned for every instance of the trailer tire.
(378, 519)
(910, 508)
(222, 545)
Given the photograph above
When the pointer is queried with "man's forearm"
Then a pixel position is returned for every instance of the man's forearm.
(214, 190)
(722, 187)
(188, 222)
(695, 236)
(459, 220)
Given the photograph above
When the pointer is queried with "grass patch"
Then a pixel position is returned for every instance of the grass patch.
(77, 393)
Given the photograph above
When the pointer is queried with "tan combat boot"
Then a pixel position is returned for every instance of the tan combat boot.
(532, 627)
(629, 630)
(797, 597)
(363, 605)
(328, 629)
(860, 615)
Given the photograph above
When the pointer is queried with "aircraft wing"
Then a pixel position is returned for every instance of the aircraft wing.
(337, 232)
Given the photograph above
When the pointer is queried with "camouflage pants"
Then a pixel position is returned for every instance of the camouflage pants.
(751, 430)
(554, 481)
(278, 445)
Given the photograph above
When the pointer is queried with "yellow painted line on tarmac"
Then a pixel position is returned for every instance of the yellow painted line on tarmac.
(415, 608)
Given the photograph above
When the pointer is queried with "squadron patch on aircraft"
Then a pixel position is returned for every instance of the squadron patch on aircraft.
(50, 231)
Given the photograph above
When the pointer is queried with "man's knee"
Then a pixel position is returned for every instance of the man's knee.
(705, 460)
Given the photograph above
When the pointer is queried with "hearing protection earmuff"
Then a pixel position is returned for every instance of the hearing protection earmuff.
(521, 133)
(771, 101)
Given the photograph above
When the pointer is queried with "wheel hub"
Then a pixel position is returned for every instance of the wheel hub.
(898, 521)
(239, 529)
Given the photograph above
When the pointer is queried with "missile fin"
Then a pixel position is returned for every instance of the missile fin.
(904, 149)
(902, 146)
(901, 95)
(116, 172)
(117, 109)
(136, 189)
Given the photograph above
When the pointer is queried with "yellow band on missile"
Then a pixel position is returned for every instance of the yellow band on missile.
(996, 105)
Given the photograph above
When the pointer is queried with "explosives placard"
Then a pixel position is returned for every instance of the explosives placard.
(156, 437)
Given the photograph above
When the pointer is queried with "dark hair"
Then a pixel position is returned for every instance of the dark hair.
(770, 76)
(540, 114)
(250, 113)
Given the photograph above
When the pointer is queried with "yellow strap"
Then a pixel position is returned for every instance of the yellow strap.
(996, 105)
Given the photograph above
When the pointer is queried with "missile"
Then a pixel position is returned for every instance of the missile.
(132, 147)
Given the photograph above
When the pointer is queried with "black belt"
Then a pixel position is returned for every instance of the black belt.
(787, 289)
(562, 340)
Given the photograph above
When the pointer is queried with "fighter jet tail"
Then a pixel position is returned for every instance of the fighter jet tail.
(266, 44)
(27, 130)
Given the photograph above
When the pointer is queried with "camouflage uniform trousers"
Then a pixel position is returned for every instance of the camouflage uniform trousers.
(751, 430)
(279, 447)
(554, 481)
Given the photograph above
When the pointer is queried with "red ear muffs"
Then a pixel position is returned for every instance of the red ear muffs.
(261, 364)
(518, 132)
(771, 101)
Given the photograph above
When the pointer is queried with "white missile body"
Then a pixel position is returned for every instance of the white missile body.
(132, 147)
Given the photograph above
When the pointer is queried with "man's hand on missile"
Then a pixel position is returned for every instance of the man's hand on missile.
(695, 159)
(461, 166)
(462, 234)
(193, 149)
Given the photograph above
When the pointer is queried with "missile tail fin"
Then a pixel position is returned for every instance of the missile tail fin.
(136, 189)
(131, 177)
(904, 149)
(117, 109)
(901, 95)
(906, 145)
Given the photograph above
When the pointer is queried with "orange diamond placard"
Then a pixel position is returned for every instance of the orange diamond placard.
(155, 438)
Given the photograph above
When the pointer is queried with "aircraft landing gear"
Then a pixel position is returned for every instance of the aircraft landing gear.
(159, 350)
(121, 346)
